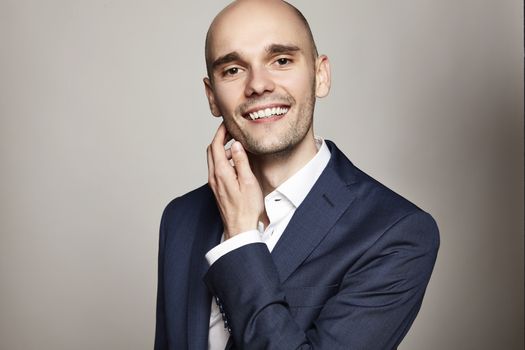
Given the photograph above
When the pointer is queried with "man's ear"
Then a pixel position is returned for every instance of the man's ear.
(211, 97)
(322, 76)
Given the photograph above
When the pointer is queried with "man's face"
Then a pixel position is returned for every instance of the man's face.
(263, 79)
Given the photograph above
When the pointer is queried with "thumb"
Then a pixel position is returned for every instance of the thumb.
(242, 165)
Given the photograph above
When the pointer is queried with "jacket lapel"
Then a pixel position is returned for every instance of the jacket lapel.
(317, 214)
(209, 232)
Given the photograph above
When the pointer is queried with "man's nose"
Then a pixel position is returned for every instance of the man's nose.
(259, 81)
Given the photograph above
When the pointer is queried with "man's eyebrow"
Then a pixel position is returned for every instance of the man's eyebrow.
(229, 57)
(271, 49)
(281, 48)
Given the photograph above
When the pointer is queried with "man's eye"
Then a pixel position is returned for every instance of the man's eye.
(231, 71)
(283, 61)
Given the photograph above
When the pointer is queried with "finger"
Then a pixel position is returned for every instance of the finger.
(215, 182)
(227, 137)
(242, 164)
(217, 145)
(220, 135)
(211, 167)
(228, 153)
(222, 166)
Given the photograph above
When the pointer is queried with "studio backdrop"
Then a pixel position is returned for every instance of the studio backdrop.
(103, 120)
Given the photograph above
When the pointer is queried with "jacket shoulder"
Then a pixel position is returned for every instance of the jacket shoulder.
(398, 213)
(377, 206)
(193, 198)
(189, 207)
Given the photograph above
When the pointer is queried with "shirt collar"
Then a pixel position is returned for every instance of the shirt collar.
(296, 187)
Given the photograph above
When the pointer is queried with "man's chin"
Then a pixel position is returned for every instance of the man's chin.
(267, 149)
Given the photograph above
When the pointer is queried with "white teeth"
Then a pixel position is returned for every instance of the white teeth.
(268, 112)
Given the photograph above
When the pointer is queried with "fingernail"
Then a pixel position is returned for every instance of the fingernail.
(236, 146)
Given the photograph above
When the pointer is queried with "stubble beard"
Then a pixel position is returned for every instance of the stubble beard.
(291, 136)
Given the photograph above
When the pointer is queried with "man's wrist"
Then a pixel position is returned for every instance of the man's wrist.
(234, 242)
(239, 228)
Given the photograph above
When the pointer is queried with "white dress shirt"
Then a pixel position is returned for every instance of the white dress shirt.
(280, 206)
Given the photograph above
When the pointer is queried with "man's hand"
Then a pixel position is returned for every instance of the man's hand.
(236, 189)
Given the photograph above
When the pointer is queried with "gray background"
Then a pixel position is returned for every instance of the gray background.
(104, 120)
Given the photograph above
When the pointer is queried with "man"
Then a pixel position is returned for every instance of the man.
(298, 248)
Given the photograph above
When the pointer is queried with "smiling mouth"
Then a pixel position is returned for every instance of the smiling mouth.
(265, 113)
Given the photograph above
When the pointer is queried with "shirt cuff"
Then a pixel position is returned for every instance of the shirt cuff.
(237, 241)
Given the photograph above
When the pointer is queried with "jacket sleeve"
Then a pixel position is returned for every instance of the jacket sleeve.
(377, 300)
(160, 326)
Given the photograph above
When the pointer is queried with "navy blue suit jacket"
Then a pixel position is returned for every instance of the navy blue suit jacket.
(349, 271)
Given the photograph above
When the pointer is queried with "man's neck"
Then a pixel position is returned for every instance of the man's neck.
(272, 170)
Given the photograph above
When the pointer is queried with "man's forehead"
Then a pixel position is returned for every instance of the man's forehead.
(255, 25)
(258, 46)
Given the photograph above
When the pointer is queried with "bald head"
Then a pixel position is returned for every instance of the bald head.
(254, 7)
